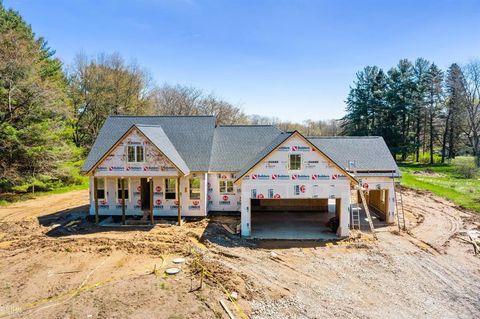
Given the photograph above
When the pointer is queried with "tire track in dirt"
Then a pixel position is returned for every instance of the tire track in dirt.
(44, 205)
(441, 220)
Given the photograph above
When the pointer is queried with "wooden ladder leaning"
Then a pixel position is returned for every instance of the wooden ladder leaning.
(399, 202)
(356, 212)
(361, 190)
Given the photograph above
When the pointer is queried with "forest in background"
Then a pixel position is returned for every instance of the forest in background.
(420, 110)
(51, 112)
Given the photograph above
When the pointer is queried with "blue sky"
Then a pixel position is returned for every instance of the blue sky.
(290, 59)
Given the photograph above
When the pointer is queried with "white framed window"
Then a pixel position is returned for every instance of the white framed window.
(296, 190)
(294, 162)
(135, 153)
(194, 188)
(101, 193)
(226, 187)
(119, 188)
(170, 188)
(270, 193)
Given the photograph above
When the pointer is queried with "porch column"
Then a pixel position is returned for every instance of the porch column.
(150, 183)
(245, 211)
(179, 200)
(344, 220)
(95, 198)
(123, 200)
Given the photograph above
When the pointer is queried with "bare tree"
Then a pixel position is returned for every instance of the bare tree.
(102, 86)
(472, 106)
(185, 100)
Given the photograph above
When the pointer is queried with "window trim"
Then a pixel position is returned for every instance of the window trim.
(104, 188)
(126, 189)
(167, 188)
(290, 162)
(226, 192)
(135, 153)
(190, 188)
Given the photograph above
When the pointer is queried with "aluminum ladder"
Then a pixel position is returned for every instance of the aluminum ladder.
(355, 212)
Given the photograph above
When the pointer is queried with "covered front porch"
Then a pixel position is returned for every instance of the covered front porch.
(133, 197)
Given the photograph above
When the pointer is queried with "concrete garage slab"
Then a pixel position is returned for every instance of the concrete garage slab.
(292, 225)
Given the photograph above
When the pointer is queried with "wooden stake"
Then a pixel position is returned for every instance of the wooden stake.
(123, 200)
(95, 196)
(151, 200)
(229, 313)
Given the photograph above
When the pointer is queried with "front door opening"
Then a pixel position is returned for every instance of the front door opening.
(145, 193)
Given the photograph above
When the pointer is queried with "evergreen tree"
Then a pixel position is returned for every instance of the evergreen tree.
(454, 113)
(33, 107)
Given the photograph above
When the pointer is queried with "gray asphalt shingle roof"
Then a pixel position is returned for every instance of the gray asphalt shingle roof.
(192, 137)
(234, 146)
(370, 153)
(193, 143)
(158, 137)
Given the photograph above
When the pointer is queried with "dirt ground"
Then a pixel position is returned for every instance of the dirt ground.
(54, 263)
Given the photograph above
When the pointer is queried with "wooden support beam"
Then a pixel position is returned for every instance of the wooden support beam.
(95, 196)
(150, 183)
(122, 180)
(179, 197)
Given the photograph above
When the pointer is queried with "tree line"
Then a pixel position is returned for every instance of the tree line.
(418, 109)
(51, 113)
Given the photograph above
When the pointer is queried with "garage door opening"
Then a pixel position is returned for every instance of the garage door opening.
(298, 219)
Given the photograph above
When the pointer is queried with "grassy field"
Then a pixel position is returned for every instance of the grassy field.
(443, 180)
(7, 199)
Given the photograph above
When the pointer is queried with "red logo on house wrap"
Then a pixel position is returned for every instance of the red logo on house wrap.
(365, 185)
(276, 196)
(158, 188)
(209, 197)
(314, 177)
(175, 202)
(260, 196)
(158, 201)
(334, 177)
(103, 202)
(196, 202)
(274, 177)
(254, 176)
(303, 188)
(224, 176)
(139, 202)
(139, 188)
(294, 177)
(294, 148)
(225, 197)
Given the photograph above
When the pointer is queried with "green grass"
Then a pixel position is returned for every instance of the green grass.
(444, 181)
(11, 198)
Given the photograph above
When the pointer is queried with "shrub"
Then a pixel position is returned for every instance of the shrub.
(465, 166)
(425, 158)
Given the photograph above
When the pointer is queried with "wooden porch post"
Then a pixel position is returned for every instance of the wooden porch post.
(95, 196)
(151, 200)
(179, 197)
(123, 200)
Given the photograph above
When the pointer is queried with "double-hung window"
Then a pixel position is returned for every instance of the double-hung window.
(295, 162)
(226, 187)
(101, 188)
(194, 188)
(171, 188)
(119, 188)
(135, 153)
